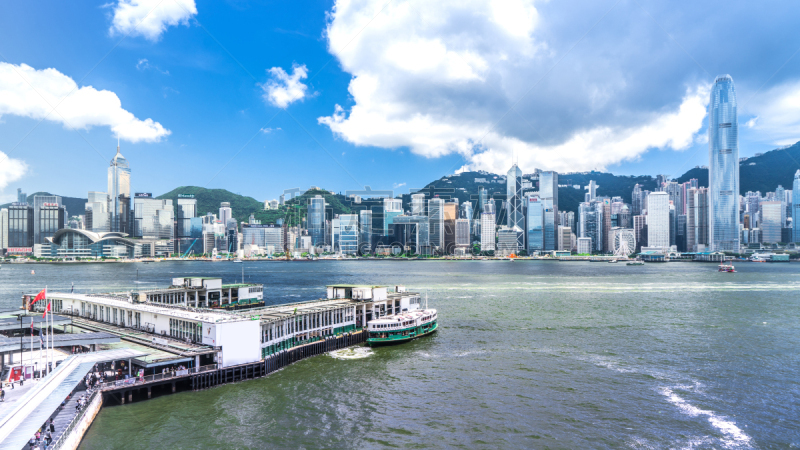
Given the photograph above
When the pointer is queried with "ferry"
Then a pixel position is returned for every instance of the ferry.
(726, 268)
(403, 327)
(635, 262)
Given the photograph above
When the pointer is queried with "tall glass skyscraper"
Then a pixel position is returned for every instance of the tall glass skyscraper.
(548, 191)
(515, 217)
(119, 193)
(535, 228)
(796, 207)
(316, 220)
(723, 167)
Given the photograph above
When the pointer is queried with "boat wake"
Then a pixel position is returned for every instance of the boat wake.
(734, 437)
(352, 353)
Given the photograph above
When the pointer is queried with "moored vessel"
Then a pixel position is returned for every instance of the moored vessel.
(403, 327)
(726, 268)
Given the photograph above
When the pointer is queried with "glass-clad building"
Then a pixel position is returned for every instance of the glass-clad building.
(535, 225)
(723, 168)
(119, 193)
(348, 234)
(20, 225)
(316, 220)
(515, 218)
(187, 210)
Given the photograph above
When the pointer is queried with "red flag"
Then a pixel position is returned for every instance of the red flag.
(39, 296)
(46, 309)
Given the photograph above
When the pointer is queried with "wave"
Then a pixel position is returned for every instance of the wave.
(352, 353)
(734, 436)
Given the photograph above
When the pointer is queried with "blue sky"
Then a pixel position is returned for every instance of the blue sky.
(259, 96)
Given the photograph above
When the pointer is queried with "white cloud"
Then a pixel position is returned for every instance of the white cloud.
(144, 64)
(440, 78)
(27, 92)
(150, 18)
(398, 185)
(284, 89)
(269, 130)
(11, 170)
(777, 114)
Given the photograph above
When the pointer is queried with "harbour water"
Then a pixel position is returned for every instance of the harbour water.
(528, 354)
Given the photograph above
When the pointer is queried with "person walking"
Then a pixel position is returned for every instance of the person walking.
(2, 395)
(52, 426)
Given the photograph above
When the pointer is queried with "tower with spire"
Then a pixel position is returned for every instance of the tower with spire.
(119, 193)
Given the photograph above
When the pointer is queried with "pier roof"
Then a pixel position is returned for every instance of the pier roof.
(182, 312)
(276, 312)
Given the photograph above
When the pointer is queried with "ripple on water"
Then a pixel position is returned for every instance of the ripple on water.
(352, 353)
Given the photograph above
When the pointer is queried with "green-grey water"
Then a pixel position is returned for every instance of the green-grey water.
(528, 355)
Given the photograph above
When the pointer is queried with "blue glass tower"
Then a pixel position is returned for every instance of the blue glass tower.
(723, 167)
(796, 208)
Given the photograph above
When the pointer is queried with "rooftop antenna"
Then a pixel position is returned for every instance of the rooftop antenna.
(117, 144)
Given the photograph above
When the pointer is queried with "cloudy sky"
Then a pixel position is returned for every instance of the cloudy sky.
(261, 96)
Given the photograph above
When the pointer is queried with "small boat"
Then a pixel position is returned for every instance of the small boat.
(237, 260)
(726, 268)
(403, 327)
(635, 263)
(613, 261)
(33, 272)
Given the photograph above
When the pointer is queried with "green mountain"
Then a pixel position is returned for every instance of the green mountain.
(760, 173)
(208, 200)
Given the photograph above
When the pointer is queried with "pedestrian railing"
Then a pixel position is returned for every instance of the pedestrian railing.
(156, 377)
(75, 421)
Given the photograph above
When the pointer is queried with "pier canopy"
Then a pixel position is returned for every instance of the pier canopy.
(23, 418)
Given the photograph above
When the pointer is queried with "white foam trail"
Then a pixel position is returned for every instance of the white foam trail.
(736, 437)
(352, 353)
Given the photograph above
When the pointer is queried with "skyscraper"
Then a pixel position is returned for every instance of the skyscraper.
(436, 224)
(796, 207)
(488, 228)
(771, 222)
(658, 219)
(119, 194)
(515, 218)
(316, 220)
(49, 216)
(418, 204)
(535, 224)
(723, 168)
(97, 215)
(450, 215)
(548, 191)
(636, 199)
(225, 212)
(187, 210)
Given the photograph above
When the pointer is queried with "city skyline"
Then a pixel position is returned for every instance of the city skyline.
(183, 91)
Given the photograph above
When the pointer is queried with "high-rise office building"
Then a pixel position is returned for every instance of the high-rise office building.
(98, 218)
(507, 243)
(636, 199)
(534, 224)
(49, 216)
(514, 215)
(392, 208)
(608, 239)
(467, 213)
(482, 198)
(348, 234)
(488, 235)
(411, 232)
(658, 220)
(316, 220)
(640, 231)
(436, 227)
(418, 205)
(771, 222)
(548, 192)
(796, 207)
(450, 215)
(591, 223)
(225, 212)
(3, 229)
(592, 190)
(187, 210)
(566, 239)
(21, 196)
(119, 194)
(365, 225)
(462, 233)
(723, 168)
(20, 226)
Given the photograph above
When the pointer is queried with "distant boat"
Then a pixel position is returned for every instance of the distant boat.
(237, 260)
(33, 272)
(635, 263)
(612, 261)
(726, 268)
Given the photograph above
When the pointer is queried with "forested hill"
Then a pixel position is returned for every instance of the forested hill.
(760, 173)
(208, 201)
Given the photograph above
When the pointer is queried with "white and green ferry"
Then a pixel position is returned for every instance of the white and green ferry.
(403, 327)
